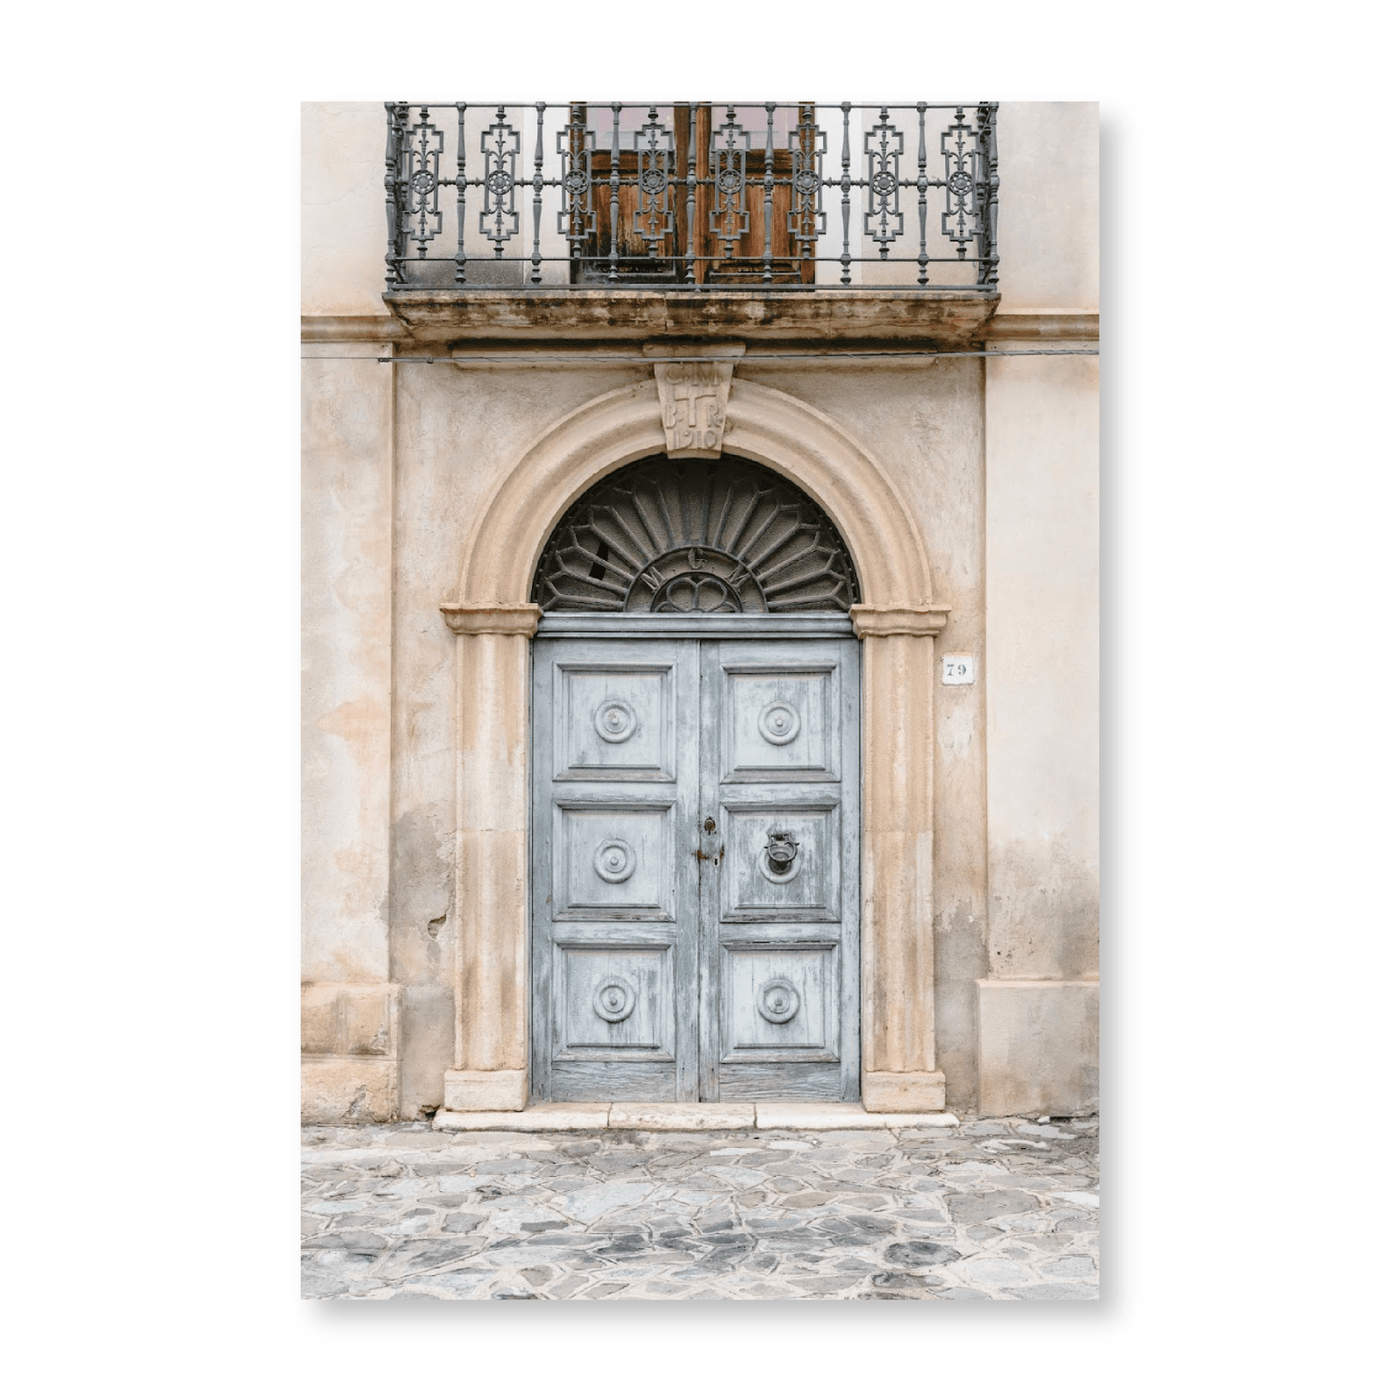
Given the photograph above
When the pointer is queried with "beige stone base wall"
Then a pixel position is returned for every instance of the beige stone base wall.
(1037, 1047)
(347, 1090)
(350, 1037)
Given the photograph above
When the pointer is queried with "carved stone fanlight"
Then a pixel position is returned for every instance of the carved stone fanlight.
(694, 536)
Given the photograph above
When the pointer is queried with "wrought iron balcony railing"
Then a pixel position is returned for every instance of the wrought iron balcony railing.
(694, 196)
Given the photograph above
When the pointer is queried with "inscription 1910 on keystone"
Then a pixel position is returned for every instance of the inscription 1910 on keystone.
(694, 403)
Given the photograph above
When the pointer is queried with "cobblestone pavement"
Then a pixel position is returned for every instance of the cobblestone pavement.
(998, 1208)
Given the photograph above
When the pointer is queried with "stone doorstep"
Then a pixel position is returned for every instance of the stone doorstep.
(685, 1117)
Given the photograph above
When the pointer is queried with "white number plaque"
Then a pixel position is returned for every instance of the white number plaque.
(959, 670)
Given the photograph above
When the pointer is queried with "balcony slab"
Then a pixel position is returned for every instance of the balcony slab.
(821, 315)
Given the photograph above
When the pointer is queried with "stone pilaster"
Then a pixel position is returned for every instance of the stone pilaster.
(493, 687)
(899, 1070)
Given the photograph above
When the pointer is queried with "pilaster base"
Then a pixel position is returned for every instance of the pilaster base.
(917, 1091)
(472, 1090)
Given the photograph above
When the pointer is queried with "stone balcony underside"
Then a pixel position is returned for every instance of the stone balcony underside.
(845, 315)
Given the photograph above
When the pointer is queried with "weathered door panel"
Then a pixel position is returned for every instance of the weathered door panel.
(780, 924)
(615, 881)
(756, 883)
(615, 721)
(615, 859)
(781, 726)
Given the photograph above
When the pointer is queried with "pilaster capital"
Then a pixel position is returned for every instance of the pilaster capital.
(925, 620)
(500, 619)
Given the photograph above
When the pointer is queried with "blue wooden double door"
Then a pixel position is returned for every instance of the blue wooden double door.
(695, 868)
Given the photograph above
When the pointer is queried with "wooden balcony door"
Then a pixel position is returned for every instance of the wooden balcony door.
(735, 219)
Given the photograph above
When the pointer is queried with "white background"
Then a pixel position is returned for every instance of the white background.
(151, 578)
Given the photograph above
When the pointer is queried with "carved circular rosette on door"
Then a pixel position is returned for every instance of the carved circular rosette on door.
(615, 720)
(615, 860)
(779, 722)
(614, 999)
(778, 1001)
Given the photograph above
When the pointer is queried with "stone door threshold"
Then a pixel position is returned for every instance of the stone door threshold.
(682, 1117)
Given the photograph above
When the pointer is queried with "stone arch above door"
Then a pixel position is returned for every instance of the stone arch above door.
(765, 425)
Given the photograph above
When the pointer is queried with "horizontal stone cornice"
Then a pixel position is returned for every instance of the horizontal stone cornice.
(324, 329)
(1042, 324)
(873, 319)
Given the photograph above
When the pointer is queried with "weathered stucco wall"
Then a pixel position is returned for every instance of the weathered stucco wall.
(996, 462)
(342, 214)
(350, 1013)
(1037, 1012)
(1042, 666)
(1048, 229)
(1038, 1044)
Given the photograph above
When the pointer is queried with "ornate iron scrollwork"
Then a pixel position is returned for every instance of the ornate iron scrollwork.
(729, 215)
(577, 219)
(654, 220)
(686, 536)
(884, 144)
(705, 195)
(962, 179)
(806, 218)
(423, 214)
(499, 219)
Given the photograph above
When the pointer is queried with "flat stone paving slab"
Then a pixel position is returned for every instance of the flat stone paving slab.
(551, 1117)
(996, 1209)
(682, 1117)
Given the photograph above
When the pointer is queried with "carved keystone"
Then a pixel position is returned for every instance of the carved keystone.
(693, 382)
